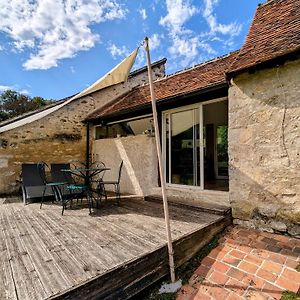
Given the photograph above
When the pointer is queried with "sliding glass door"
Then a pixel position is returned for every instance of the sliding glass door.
(183, 151)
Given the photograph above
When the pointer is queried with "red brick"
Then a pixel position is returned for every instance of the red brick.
(237, 254)
(291, 263)
(288, 284)
(231, 260)
(260, 253)
(271, 267)
(247, 267)
(219, 266)
(253, 259)
(232, 243)
(288, 253)
(245, 249)
(291, 274)
(294, 242)
(218, 278)
(202, 271)
(255, 295)
(185, 292)
(266, 275)
(258, 282)
(272, 290)
(282, 238)
(277, 258)
(234, 296)
(236, 286)
(207, 261)
(217, 292)
(217, 254)
(200, 296)
(236, 273)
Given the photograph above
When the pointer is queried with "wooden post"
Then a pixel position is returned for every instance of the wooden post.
(160, 163)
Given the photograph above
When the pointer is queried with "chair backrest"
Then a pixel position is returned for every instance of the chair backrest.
(31, 175)
(120, 171)
(60, 176)
(41, 167)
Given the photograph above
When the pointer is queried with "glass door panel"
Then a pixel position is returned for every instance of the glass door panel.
(222, 151)
(182, 147)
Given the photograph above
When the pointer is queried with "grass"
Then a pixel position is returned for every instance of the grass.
(184, 273)
(289, 296)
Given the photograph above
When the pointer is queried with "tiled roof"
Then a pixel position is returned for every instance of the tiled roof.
(274, 32)
(199, 77)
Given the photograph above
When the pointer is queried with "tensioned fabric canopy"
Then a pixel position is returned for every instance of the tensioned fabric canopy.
(116, 75)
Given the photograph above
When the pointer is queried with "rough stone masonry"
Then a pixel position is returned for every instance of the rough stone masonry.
(264, 149)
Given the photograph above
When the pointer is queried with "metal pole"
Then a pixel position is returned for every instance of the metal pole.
(161, 171)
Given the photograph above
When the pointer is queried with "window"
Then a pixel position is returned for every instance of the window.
(126, 128)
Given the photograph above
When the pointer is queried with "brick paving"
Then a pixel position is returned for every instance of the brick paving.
(247, 264)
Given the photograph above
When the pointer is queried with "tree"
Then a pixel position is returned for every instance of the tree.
(13, 104)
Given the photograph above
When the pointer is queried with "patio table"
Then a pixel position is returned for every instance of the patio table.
(87, 174)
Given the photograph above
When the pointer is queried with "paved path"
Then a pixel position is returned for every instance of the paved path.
(247, 264)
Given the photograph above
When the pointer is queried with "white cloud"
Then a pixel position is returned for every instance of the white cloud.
(189, 46)
(184, 43)
(14, 88)
(231, 29)
(179, 11)
(154, 41)
(117, 51)
(54, 30)
(143, 13)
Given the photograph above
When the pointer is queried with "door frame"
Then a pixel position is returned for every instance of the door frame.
(201, 146)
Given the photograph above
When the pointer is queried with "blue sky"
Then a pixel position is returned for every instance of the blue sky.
(57, 48)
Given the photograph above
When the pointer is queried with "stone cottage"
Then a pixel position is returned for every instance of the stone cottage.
(248, 100)
(230, 128)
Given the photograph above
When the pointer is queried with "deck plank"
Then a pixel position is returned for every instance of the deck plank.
(7, 286)
(45, 254)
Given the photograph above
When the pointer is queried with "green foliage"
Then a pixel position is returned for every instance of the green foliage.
(13, 104)
(290, 296)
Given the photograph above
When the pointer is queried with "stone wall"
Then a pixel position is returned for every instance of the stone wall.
(140, 172)
(264, 148)
(140, 176)
(58, 137)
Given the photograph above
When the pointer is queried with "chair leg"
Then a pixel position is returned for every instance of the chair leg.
(89, 201)
(117, 191)
(43, 197)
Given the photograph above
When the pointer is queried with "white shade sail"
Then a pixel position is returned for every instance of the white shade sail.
(118, 74)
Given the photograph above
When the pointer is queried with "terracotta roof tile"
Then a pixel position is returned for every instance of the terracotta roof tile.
(275, 31)
(199, 77)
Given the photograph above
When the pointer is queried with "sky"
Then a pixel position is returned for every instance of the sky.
(56, 48)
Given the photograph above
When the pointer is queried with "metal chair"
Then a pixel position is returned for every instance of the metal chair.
(115, 183)
(71, 187)
(49, 183)
(33, 185)
(63, 191)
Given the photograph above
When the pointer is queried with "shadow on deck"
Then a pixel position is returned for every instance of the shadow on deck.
(113, 253)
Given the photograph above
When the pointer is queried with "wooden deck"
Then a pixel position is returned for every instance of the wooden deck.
(111, 254)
